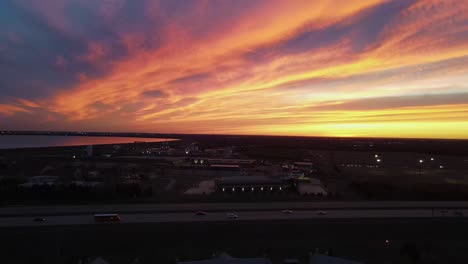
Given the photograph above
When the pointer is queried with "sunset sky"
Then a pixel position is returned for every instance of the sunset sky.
(313, 68)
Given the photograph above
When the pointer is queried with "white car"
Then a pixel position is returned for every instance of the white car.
(232, 216)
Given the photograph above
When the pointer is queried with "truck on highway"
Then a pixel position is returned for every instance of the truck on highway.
(106, 218)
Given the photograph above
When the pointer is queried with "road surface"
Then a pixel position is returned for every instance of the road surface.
(221, 207)
(175, 217)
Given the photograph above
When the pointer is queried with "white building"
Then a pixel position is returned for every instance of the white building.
(312, 186)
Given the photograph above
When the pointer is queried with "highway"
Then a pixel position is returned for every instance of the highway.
(175, 217)
(51, 210)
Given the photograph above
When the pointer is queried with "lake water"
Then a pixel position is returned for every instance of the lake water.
(17, 141)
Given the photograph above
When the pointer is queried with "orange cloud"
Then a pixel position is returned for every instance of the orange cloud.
(276, 68)
(28, 103)
(9, 110)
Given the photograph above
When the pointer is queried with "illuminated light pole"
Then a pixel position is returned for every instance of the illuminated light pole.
(420, 166)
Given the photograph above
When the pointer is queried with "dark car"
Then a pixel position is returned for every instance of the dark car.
(39, 219)
(200, 213)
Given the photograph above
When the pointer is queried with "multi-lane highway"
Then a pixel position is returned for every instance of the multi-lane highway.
(248, 215)
(163, 232)
(221, 207)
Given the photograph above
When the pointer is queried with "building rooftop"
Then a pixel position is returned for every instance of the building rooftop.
(308, 188)
(224, 166)
(249, 180)
(324, 259)
(303, 163)
(226, 259)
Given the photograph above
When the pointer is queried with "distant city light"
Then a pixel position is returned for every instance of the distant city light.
(376, 156)
(378, 160)
(74, 156)
(242, 188)
(261, 189)
(441, 166)
(233, 189)
(421, 161)
(280, 188)
(252, 189)
(432, 158)
(271, 188)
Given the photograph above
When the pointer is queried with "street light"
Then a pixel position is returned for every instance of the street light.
(432, 159)
(376, 155)
(420, 166)
(378, 160)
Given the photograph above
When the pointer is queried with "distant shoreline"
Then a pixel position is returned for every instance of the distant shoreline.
(17, 141)
(189, 136)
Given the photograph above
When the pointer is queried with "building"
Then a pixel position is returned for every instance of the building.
(226, 259)
(204, 187)
(243, 162)
(89, 150)
(192, 148)
(226, 152)
(307, 167)
(324, 259)
(43, 180)
(303, 164)
(224, 167)
(311, 186)
(205, 170)
(249, 184)
(99, 260)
